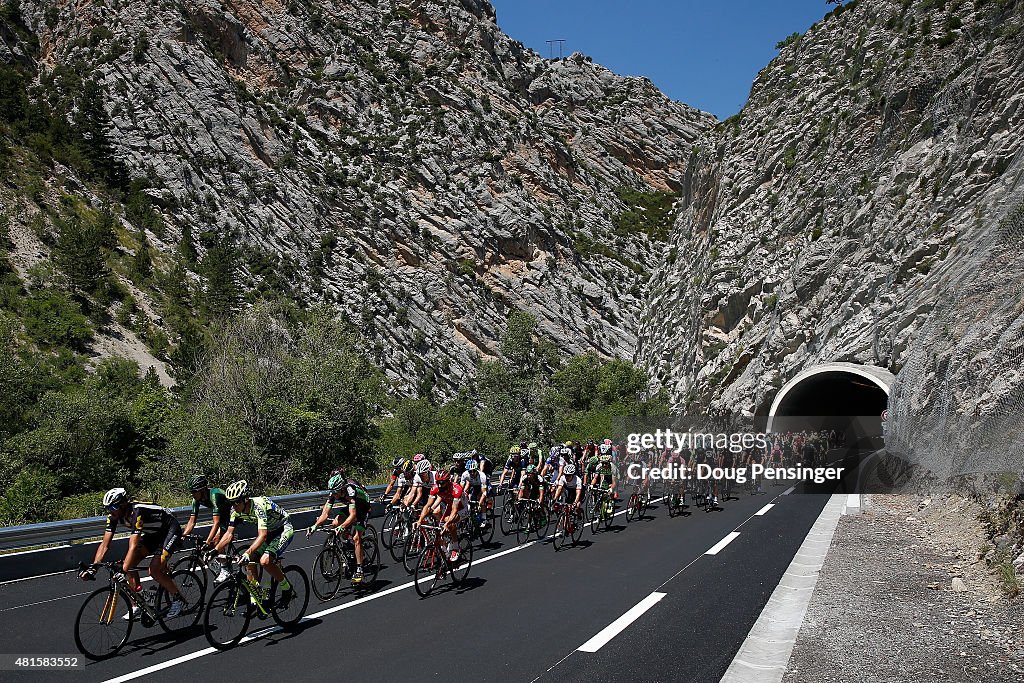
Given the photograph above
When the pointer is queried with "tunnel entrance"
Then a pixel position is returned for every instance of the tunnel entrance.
(835, 393)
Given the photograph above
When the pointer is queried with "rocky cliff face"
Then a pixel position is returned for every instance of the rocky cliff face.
(874, 168)
(404, 161)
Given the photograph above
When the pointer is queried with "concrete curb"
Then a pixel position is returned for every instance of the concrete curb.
(765, 653)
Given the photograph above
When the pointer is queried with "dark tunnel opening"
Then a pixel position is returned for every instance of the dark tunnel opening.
(834, 397)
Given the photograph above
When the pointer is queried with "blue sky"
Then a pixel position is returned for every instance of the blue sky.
(705, 53)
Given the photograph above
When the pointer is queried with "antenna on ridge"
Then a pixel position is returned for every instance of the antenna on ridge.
(551, 47)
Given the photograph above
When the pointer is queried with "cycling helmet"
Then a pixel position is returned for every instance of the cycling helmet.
(115, 498)
(237, 491)
(336, 482)
(397, 462)
(567, 444)
(454, 470)
(533, 445)
(605, 458)
(607, 442)
(530, 469)
(513, 450)
(522, 445)
(471, 465)
(443, 478)
(418, 457)
(473, 453)
(569, 470)
(197, 482)
(422, 467)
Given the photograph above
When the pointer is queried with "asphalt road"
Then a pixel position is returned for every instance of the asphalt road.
(522, 615)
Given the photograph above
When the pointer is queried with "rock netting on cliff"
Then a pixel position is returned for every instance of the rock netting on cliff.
(854, 207)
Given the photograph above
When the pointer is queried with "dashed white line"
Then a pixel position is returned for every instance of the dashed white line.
(789, 490)
(717, 548)
(765, 509)
(616, 627)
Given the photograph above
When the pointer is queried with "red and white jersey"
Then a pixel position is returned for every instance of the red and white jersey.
(451, 494)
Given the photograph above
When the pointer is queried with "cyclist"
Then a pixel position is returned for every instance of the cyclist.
(274, 532)
(474, 483)
(518, 459)
(422, 481)
(559, 457)
(536, 457)
(568, 482)
(353, 495)
(213, 498)
(401, 478)
(448, 503)
(604, 475)
(155, 532)
(532, 486)
(485, 464)
(676, 458)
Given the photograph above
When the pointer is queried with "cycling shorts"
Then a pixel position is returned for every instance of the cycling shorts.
(166, 540)
(277, 541)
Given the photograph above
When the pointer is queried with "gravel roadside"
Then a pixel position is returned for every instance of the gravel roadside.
(887, 608)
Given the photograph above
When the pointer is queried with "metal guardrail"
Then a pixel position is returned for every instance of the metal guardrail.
(49, 533)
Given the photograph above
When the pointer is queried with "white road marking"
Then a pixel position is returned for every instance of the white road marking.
(616, 627)
(765, 509)
(717, 548)
(789, 490)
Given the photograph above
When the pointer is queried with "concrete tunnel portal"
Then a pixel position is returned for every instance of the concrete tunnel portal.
(835, 392)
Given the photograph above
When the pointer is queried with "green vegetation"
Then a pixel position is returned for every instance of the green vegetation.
(648, 213)
(791, 39)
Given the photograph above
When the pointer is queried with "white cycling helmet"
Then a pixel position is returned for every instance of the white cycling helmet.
(422, 466)
(114, 498)
(569, 470)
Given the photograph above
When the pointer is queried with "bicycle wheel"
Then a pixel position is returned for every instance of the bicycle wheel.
(524, 520)
(508, 519)
(189, 562)
(100, 627)
(227, 615)
(326, 573)
(390, 523)
(371, 562)
(577, 523)
(399, 537)
(288, 614)
(559, 539)
(428, 570)
(596, 507)
(631, 506)
(542, 522)
(192, 591)
(460, 571)
(486, 534)
(413, 548)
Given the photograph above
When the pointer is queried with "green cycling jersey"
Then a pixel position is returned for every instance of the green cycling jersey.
(265, 513)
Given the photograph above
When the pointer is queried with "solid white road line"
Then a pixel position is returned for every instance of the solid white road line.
(717, 548)
(789, 490)
(616, 627)
(765, 509)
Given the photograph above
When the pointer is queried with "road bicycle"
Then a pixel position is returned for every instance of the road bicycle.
(399, 531)
(105, 620)
(235, 602)
(480, 524)
(533, 519)
(638, 503)
(568, 525)
(601, 509)
(676, 500)
(434, 565)
(509, 511)
(337, 561)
